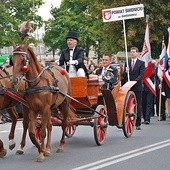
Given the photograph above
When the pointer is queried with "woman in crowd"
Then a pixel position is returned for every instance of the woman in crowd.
(92, 68)
(166, 85)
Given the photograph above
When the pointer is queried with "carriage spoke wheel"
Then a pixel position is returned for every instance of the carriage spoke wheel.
(100, 125)
(129, 114)
(70, 130)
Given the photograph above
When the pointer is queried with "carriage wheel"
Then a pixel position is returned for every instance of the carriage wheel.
(70, 130)
(129, 114)
(100, 125)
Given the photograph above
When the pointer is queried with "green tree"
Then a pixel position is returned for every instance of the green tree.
(70, 16)
(85, 16)
(13, 13)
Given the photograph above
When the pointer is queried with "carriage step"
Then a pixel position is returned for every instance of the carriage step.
(111, 107)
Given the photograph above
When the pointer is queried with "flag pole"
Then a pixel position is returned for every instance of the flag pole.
(124, 30)
(168, 48)
(160, 90)
(147, 18)
(160, 101)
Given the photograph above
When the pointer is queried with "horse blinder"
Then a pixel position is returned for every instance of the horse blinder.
(24, 67)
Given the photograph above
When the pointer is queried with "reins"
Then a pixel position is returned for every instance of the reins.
(1, 78)
(39, 75)
(81, 103)
(6, 72)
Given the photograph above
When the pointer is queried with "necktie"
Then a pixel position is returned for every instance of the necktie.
(133, 64)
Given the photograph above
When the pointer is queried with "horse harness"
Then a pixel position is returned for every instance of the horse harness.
(36, 89)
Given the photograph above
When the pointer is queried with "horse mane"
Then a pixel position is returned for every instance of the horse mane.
(34, 58)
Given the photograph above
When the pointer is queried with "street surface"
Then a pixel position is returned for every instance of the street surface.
(147, 149)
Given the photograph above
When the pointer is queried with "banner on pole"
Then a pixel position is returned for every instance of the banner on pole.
(123, 13)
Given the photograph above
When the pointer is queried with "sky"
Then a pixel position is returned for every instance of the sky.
(44, 10)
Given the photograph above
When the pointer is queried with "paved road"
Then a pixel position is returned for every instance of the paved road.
(146, 150)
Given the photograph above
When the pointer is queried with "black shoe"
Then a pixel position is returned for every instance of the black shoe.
(162, 119)
(147, 122)
(8, 119)
(138, 128)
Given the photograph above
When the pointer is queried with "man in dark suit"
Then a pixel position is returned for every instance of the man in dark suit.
(147, 102)
(107, 59)
(136, 69)
(73, 56)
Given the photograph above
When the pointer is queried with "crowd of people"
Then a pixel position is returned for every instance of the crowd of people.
(73, 60)
(136, 70)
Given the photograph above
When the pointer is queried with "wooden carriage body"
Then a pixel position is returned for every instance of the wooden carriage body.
(90, 93)
(85, 91)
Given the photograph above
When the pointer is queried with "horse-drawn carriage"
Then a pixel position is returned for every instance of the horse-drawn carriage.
(98, 108)
(50, 88)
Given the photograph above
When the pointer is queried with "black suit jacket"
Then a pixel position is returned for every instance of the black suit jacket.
(99, 71)
(135, 75)
(78, 55)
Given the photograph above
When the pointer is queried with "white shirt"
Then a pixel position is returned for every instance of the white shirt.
(71, 53)
(104, 69)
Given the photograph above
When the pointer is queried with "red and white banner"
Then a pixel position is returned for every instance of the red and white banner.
(166, 77)
(146, 57)
(162, 61)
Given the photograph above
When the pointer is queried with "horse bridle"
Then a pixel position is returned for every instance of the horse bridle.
(25, 55)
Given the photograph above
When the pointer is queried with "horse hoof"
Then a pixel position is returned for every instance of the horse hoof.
(3, 153)
(60, 150)
(47, 153)
(12, 146)
(19, 152)
(40, 158)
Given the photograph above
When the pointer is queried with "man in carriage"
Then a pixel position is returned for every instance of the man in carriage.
(73, 56)
(108, 72)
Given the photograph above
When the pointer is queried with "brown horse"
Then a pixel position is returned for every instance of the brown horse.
(8, 103)
(46, 89)
(2, 149)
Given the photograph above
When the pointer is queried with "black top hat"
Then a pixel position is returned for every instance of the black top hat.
(72, 34)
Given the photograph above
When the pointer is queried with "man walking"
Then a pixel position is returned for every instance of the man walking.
(136, 71)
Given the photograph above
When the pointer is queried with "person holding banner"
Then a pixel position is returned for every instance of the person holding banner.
(160, 98)
(166, 84)
(136, 69)
(148, 99)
